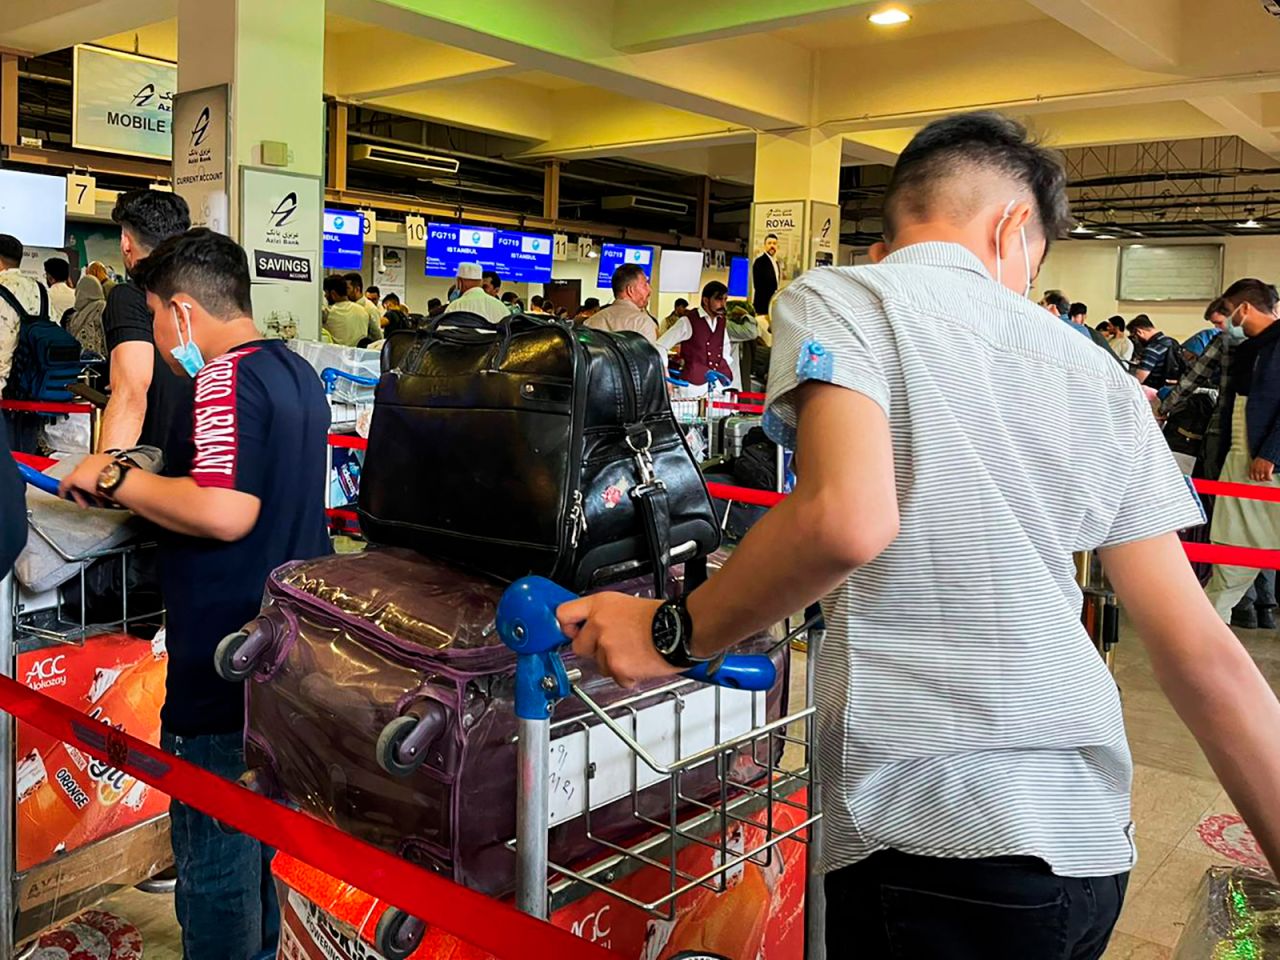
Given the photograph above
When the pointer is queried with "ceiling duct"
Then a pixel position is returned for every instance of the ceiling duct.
(644, 204)
(374, 156)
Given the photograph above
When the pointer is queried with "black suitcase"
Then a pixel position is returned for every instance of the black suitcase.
(525, 447)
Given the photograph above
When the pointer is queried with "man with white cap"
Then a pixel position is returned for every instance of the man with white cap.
(473, 298)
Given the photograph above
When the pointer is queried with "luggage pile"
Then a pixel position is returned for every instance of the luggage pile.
(379, 696)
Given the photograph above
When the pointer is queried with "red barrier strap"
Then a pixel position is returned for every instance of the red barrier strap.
(758, 397)
(349, 440)
(488, 924)
(1225, 555)
(32, 460)
(760, 498)
(740, 407)
(35, 406)
(1244, 491)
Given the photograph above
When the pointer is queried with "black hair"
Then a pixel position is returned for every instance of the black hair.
(1257, 293)
(391, 296)
(714, 289)
(379, 292)
(211, 267)
(536, 301)
(770, 236)
(591, 303)
(57, 270)
(10, 249)
(1078, 310)
(354, 282)
(1057, 301)
(510, 297)
(1218, 306)
(1141, 322)
(152, 216)
(1117, 322)
(1104, 325)
(681, 302)
(495, 281)
(434, 302)
(956, 146)
(335, 283)
(625, 276)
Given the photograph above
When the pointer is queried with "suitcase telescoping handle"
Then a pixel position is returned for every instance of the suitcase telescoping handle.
(526, 621)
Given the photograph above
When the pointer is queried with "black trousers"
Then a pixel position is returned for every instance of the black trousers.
(892, 905)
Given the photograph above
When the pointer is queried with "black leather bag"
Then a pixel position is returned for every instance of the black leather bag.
(527, 447)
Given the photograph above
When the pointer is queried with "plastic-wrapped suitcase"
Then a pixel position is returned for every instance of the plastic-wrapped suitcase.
(380, 699)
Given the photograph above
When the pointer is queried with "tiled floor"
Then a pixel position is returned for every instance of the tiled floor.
(1173, 790)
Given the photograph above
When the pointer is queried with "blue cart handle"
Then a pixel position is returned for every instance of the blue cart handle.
(41, 481)
(527, 623)
(331, 376)
(715, 376)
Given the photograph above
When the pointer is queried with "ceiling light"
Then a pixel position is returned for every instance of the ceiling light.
(591, 254)
(1081, 228)
(1250, 224)
(889, 17)
(1104, 236)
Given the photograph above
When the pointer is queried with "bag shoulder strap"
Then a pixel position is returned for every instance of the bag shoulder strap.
(8, 297)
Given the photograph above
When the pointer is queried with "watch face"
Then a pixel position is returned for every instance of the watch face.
(109, 477)
(667, 629)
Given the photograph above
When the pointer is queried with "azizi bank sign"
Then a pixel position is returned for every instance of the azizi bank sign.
(122, 103)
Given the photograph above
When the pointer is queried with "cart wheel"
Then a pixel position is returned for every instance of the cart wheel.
(227, 659)
(390, 740)
(398, 934)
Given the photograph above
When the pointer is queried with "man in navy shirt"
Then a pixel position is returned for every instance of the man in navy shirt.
(249, 497)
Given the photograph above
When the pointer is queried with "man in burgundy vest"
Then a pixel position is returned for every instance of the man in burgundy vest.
(704, 338)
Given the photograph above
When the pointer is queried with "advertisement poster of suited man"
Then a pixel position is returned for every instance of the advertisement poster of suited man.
(777, 245)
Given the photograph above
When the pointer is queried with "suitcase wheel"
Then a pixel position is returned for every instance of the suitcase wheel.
(398, 934)
(237, 655)
(403, 743)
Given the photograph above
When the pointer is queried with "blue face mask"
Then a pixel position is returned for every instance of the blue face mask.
(187, 354)
(1234, 332)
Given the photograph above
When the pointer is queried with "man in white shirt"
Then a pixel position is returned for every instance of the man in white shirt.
(473, 298)
(976, 774)
(23, 289)
(355, 292)
(629, 310)
(706, 339)
(62, 296)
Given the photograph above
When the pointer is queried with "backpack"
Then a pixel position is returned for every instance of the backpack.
(1174, 366)
(46, 358)
(1184, 430)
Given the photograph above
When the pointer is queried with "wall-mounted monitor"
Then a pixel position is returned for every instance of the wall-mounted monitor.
(681, 271)
(514, 256)
(739, 277)
(343, 239)
(614, 255)
(33, 208)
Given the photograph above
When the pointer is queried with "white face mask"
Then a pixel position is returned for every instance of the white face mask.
(1026, 254)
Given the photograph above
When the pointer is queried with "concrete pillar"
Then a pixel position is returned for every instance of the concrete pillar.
(272, 56)
(797, 195)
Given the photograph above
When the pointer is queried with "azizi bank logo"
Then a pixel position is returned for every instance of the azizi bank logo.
(49, 672)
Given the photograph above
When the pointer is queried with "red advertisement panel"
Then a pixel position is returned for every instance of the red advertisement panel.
(67, 799)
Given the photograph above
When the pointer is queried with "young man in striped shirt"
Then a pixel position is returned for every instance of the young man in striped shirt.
(975, 768)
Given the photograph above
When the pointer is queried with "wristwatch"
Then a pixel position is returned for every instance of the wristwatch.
(673, 635)
(111, 477)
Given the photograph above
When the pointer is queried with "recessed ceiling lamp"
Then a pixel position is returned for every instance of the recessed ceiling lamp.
(1081, 229)
(889, 17)
(1250, 224)
(1104, 236)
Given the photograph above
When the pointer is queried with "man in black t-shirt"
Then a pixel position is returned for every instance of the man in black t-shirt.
(252, 500)
(147, 398)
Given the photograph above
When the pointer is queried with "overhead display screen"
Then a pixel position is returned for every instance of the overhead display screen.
(343, 239)
(614, 255)
(33, 208)
(739, 277)
(517, 257)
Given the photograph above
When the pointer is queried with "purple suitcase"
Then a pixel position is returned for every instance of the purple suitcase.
(356, 652)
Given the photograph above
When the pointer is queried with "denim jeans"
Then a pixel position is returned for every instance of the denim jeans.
(898, 907)
(225, 898)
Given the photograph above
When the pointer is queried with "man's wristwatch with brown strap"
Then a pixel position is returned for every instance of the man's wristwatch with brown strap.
(112, 476)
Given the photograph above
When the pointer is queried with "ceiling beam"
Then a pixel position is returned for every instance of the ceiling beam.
(40, 26)
(404, 64)
(571, 38)
(641, 25)
(1142, 33)
(1242, 117)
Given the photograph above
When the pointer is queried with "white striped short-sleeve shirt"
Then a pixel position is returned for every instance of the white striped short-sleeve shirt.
(963, 711)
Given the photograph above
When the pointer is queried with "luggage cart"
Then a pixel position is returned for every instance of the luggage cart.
(43, 895)
(700, 416)
(627, 754)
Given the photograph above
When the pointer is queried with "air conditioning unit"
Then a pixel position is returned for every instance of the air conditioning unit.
(399, 160)
(645, 204)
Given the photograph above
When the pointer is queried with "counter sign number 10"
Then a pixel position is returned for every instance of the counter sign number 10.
(415, 231)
